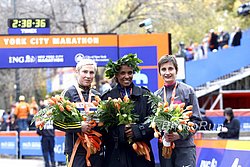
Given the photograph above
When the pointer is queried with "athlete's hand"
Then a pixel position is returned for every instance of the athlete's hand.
(170, 137)
(85, 126)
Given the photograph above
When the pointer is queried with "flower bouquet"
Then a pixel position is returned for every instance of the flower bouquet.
(58, 109)
(169, 118)
(64, 114)
(115, 112)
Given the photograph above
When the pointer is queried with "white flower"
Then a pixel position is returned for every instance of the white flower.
(124, 115)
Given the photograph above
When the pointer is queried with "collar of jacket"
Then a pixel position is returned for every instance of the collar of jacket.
(160, 92)
(136, 91)
(84, 88)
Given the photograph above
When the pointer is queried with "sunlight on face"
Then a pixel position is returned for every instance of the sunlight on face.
(86, 75)
(168, 72)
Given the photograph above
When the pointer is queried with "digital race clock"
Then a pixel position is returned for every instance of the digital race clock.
(28, 23)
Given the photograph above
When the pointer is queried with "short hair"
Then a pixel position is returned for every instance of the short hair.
(229, 111)
(85, 62)
(168, 58)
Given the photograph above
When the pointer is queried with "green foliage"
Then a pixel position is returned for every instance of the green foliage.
(168, 118)
(114, 112)
(59, 109)
(131, 60)
(225, 5)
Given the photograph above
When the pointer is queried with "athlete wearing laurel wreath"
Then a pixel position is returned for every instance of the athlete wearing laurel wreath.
(119, 150)
(77, 155)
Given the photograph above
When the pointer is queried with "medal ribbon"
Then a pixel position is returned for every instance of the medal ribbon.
(86, 107)
(173, 94)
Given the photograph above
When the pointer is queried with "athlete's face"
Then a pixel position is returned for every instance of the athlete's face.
(168, 72)
(125, 76)
(86, 75)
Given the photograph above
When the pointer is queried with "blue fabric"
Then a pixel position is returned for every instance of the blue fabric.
(22, 124)
(124, 91)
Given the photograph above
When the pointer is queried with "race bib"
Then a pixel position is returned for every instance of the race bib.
(83, 108)
(80, 107)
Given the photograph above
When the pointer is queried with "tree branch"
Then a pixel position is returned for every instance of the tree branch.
(127, 19)
(84, 22)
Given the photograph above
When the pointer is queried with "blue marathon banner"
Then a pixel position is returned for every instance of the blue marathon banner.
(147, 77)
(52, 51)
(8, 142)
(59, 147)
(41, 51)
(222, 153)
(30, 145)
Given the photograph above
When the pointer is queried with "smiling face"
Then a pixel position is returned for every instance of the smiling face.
(168, 72)
(125, 76)
(85, 75)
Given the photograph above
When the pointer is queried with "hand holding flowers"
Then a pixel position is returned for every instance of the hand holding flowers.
(170, 122)
(115, 112)
(65, 115)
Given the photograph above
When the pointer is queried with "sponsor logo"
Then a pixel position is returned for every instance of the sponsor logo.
(236, 163)
(50, 58)
(96, 58)
(79, 57)
(36, 59)
(31, 145)
(22, 59)
(59, 148)
(7, 145)
(141, 79)
(206, 163)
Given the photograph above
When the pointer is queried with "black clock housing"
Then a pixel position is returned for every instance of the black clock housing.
(28, 23)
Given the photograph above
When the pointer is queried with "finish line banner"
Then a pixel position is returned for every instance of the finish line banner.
(53, 51)
(30, 145)
(56, 50)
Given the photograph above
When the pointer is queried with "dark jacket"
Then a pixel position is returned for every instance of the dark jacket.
(236, 38)
(47, 131)
(71, 134)
(224, 36)
(186, 94)
(213, 41)
(233, 129)
(118, 152)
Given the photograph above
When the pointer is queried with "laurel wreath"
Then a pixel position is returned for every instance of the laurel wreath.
(131, 60)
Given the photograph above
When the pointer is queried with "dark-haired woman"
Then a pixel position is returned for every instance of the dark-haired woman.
(119, 153)
(231, 126)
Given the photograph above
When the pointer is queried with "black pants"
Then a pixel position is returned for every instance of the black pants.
(184, 156)
(48, 144)
(96, 160)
